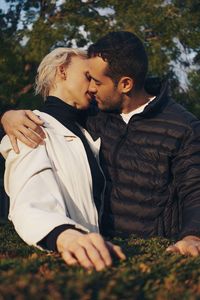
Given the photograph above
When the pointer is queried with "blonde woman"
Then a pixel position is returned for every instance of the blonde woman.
(56, 190)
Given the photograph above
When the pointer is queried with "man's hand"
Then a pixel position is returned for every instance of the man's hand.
(88, 250)
(23, 125)
(189, 245)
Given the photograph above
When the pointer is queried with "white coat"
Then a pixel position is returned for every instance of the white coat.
(50, 185)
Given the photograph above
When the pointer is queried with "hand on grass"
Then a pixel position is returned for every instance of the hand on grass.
(190, 245)
(23, 125)
(88, 250)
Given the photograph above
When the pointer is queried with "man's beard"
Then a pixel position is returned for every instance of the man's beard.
(116, 108)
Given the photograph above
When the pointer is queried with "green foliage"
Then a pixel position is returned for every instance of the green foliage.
(148, 273)
(160, 23)
(28, 35)
(30, 29)
(171, 31)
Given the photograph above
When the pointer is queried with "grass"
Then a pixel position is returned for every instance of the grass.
(148, 273)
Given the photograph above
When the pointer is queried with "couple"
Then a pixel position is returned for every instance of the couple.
(149, 154)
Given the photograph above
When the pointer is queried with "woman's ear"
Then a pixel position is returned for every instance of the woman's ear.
(125, 84)
(62, 72)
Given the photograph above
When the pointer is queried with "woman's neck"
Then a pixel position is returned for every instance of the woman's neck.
(59, 94)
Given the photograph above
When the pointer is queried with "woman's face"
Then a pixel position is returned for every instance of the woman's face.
(75, 86)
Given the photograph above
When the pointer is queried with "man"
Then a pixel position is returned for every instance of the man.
(150, 147)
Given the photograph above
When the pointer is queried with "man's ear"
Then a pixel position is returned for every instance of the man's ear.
(125, 84)
(62, 72)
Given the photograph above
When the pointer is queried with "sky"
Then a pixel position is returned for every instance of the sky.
(3, 5)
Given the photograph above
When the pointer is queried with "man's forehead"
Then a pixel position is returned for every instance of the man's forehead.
(97, 62)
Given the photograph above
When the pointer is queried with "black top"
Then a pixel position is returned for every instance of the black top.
(152, 169)
(69, 117)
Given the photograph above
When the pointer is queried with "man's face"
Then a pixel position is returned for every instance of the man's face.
(77, 83)
(102, 87)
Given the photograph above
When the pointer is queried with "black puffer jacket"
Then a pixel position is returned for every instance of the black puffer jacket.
(152, 167)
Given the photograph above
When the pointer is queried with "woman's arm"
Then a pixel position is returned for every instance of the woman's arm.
(37, 207)
(36, 203)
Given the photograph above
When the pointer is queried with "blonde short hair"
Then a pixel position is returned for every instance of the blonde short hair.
(47, 69)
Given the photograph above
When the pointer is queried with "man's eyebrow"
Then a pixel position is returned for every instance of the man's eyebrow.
(89, 75)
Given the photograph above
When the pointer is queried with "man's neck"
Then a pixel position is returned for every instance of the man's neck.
(135, 100)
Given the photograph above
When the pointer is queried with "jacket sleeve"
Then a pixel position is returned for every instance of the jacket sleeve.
(36, 202)
(3, 109)
(186, 172)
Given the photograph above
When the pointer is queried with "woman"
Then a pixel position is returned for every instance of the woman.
(56, 189)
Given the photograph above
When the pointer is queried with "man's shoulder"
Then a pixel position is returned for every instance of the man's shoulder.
(180, 112)
(176, 116)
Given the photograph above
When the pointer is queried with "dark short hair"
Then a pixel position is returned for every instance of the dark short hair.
(125, 54)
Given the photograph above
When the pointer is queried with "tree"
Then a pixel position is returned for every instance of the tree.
(31, 28)
(171, 31)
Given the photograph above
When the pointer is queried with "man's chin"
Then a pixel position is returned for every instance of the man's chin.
(108, 109)
(111, 111)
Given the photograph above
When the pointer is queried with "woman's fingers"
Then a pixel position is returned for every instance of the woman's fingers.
(69, 258)
(115, 249)
(97, 254)
(88, 250)
(82, 257)
(102, 248)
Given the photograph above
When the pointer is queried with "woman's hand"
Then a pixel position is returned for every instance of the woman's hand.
(23, 125)
(88, 250)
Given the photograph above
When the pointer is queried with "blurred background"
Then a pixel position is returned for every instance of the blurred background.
(30, 29)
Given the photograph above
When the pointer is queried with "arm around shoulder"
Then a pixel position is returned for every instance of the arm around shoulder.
(23, 125)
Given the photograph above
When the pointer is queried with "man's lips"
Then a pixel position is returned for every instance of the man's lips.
(91, 96)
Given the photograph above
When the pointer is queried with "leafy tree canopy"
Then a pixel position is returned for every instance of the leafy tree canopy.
(29, 29)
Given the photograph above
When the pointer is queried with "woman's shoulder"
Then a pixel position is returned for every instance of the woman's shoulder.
(52, 124)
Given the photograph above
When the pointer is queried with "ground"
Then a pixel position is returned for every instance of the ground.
(148, 273)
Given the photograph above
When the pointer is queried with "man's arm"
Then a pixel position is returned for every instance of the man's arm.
(189, 245)
(23, 125)
(186, 173)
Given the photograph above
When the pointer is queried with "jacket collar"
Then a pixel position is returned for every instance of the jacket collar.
(154, 107)
(51, 123)
(158, 103)
(59, 129)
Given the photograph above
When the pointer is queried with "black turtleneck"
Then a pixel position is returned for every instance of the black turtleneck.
(70, 117)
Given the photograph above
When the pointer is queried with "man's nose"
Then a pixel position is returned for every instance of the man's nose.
(92, 88)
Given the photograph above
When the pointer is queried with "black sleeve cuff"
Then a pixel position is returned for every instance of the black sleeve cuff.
(2, 133)
(49, 241)
(3, 109)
